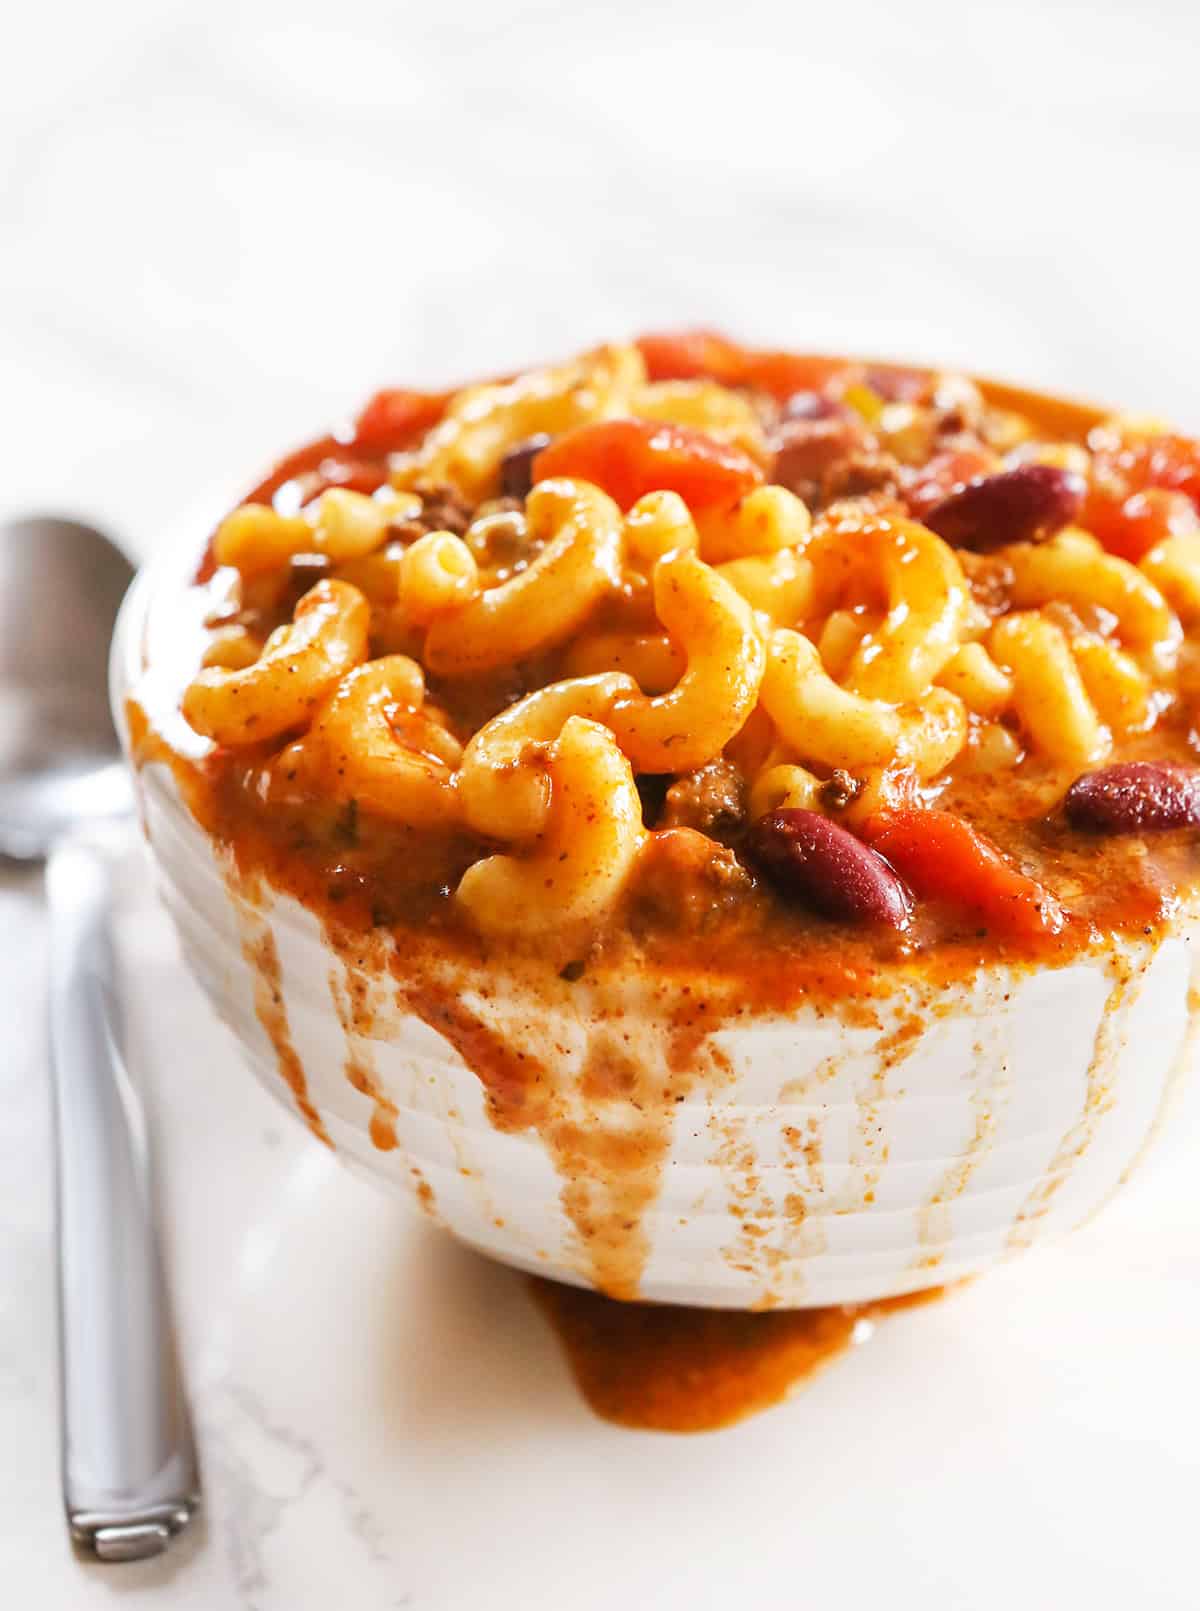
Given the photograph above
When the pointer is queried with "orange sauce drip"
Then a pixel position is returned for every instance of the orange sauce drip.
(351, 999)
(608, 1133)
(262, 955)
(661, 1368)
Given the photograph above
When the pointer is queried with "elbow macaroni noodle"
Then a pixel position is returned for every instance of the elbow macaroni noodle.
(341, 525)
(1075, 570)
(840, 637)
(604, 645)
(779, 586)
(652, 659)
(483, 422)
(438, 573)
(692, 722)
(1048, 692)
(505, 777)
(1116, 685)
(926, 598)
(657, 525)
(543, 605)
(979, 682)
(704, 405)
(1173, 566)
(836, 727)
(765, 521)
(373, 742)
(785, 787)
(299, 665)
(578, 864)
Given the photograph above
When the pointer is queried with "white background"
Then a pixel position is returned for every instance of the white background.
(222, 224)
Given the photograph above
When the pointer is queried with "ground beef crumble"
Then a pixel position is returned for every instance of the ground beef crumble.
(712, 800)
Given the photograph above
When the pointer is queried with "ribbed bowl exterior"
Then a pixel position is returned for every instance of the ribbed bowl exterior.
(839, 1161)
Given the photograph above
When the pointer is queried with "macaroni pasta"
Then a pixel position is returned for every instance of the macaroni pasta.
(843, 594)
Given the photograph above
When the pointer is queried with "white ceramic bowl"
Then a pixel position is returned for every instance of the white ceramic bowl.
(836, 1160)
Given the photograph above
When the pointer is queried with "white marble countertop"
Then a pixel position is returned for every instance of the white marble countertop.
(219, 226)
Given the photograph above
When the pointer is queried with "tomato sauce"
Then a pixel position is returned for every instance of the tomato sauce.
(666, 1368)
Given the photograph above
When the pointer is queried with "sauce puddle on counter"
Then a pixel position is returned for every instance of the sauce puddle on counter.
(662, 1368)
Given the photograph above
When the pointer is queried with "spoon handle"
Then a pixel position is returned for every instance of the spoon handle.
(128, 1464)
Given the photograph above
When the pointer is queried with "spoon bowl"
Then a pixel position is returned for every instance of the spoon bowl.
(61, 584)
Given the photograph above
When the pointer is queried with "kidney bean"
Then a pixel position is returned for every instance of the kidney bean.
(1135, 797)
(516, 467)
(1035, 500)
(822, 864)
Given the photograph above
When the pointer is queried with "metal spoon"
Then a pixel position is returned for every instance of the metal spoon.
(128, 1465)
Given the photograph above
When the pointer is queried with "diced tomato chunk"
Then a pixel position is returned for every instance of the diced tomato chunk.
(1131, 527)
(394, 417)
(628, 458)
(944, 474)
(782, 374)
(944, 858)
(355, 475)
(1168, 461)
(692, 354)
